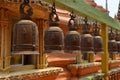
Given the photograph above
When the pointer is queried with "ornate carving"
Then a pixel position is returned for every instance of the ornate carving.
(33, 75)
(53, 17)
(26, 15)
(72, 23)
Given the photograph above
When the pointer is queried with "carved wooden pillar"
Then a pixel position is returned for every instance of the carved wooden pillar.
(41, 58)
(5, 40)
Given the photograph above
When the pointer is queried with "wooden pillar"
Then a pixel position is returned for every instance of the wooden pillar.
(1, 46)
(105, 55)
(41, 58)
(5, 40)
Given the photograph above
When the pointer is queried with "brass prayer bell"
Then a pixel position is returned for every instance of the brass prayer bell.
(25, 32)
(98, 42)
(54, 37)
(72, 38)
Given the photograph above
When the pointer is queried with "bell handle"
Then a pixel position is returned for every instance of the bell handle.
(28, 13)
(72, 23)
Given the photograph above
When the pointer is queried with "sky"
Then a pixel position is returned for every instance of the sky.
(112, 6)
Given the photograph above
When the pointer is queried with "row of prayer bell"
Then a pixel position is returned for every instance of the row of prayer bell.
(55, 42)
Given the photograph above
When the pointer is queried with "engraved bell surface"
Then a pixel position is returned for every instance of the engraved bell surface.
(72, 38)
(54, 37)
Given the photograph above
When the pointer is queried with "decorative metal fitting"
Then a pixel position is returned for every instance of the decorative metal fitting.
(111, 35)
(28, 13)
(53, 17)
(96, 29)
(85, 26)
(72, 23)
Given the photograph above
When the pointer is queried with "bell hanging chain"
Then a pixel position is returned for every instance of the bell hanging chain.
(96, 29)
(26, 14)
(111, 35)
(72, 23)
(86, 26)
(53, 17)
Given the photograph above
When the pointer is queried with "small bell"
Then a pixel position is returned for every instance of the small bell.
(112, 45)
(72, 38)
(86, 40)
(98, 43)
(54, 37)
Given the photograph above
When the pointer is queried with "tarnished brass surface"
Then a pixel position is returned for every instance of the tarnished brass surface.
(54, 38)
(25, 34)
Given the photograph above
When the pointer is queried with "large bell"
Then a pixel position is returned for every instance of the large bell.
(54, 37)
(25, 34)
(72, 38)
(25, 37)
(98, 43)
(86, 40)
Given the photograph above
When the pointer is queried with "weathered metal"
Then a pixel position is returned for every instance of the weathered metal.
(72, 38)
(86, 38)
(53, 38)
(98, 43)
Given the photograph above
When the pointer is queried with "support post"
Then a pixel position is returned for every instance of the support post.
(42, 56)
(5, 40)
(105, 55)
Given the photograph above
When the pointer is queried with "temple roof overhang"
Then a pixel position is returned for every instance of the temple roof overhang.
(82, 8)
